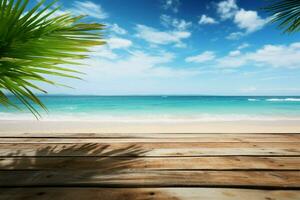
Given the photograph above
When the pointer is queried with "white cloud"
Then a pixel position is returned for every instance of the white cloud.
(231, 62)
(276, 56)
(243, 46)
(106, 51)
(235, 35)
(155, 36)
(179, 24)
(203, 57)
(102, 51)
(138, 64)
(227, 9)
(249, 20)
(238, 52)
(118, 43)
(172, 5)
(117, 29)
(234, 53)
(80, 8)
(207, 20)
(89, 8)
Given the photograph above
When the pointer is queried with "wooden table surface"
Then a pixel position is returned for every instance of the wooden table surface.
(150, 166)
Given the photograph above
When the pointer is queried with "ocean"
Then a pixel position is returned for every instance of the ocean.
(162, 108)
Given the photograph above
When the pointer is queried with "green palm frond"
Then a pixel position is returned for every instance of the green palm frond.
(287, 14)
(35, 44)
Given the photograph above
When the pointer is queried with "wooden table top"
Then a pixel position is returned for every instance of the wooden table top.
(163, 166)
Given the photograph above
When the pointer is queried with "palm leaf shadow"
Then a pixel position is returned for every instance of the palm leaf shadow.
(88, 156)
(93, 159)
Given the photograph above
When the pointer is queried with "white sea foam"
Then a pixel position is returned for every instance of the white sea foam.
(253, 100)
(284, 99)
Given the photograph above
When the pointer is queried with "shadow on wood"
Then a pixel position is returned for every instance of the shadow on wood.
(50, 158)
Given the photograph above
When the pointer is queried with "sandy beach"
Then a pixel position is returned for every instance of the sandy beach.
(33, 126)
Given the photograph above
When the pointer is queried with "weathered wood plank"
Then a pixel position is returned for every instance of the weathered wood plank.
(278, 179)
(151, 160)
(152, 149)
(146, 194)
(148, 163)
(217, 137)
(145, 140)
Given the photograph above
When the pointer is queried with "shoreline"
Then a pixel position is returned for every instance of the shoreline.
(243, 126)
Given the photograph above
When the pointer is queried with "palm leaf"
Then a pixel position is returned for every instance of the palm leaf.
(286, 13)
(35, 45)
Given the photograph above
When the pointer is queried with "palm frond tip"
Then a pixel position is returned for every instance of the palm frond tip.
(286, 13)
(35, 43)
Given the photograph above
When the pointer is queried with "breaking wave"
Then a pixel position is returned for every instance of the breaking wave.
(284, 99)
(253, 100)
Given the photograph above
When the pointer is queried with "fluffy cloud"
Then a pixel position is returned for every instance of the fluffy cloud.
(249, 20)
(179, 24)
(277, 56)
(235, 35)
(227, 9)
(118, 43)
(102, 51)
(207, 20)
(155, 36)
(203, 57)
(80, 8)
(138, 64)
(243, 46)
(234, 53)
(89, 8)
(116, 29)
(107, 51)
(172, 5)
(231, 62)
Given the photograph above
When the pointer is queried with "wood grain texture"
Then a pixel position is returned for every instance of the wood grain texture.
(278, 179)
(150, 166)
(200, 137)
(149, 163)
(145, 194)
(152, 149)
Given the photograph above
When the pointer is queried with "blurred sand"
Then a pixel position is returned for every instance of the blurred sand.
(163, 127)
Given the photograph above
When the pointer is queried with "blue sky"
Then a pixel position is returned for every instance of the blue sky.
(219, 47)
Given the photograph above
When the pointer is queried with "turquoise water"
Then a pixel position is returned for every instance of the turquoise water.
(163, 108)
